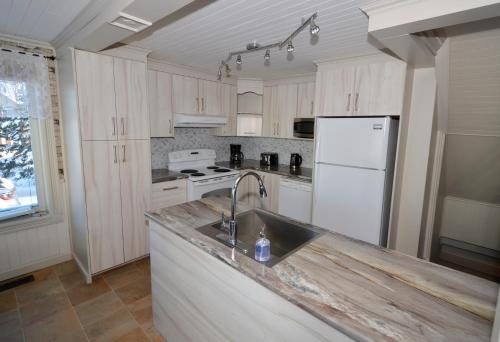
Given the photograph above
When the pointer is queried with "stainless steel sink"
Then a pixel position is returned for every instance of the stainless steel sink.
(286, 236)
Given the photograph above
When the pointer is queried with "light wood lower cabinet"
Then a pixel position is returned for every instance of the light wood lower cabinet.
(248, 191)
(117, 184)
(135, 183)
(167, 194)
(104, 208)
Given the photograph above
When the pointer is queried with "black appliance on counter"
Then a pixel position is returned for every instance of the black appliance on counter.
(303, 128)
(295, 160)
(236, 156)
(269, 159)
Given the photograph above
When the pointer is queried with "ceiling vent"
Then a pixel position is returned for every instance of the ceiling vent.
(131, 23)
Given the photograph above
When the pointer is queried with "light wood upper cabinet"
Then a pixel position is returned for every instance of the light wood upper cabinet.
(104, 207)
(371, 88)
(268, 120)
(210, 97)
(160, 104)
(305, 100)
(131, 99)
(185, 98)
(287, 109)
(135, 185)
(228, 108)
(249, 103)
(96, 96)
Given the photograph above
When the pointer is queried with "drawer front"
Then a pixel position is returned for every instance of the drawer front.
(166, 194)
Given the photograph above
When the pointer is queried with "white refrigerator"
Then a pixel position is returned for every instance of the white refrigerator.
(353, 171)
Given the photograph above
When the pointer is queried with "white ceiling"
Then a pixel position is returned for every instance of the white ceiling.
(40, 20)
(203, 38)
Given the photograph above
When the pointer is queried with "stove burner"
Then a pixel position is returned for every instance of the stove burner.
(221, 170)
(212, 167)
(189, 171)
(197, 174)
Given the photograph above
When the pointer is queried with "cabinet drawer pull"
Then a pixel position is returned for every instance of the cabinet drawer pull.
(171, 188)
(113, 120)
(348, 102)
(116, 158)
(356, 102)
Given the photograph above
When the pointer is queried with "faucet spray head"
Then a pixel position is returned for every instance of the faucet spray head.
(262, 190)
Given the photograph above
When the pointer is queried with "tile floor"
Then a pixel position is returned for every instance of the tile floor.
(59, 306)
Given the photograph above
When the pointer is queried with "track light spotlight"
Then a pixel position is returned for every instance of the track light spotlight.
(238, 60)
(290, 47)
(219, 74)
(228, 70)
(267, 56)
(314, 29)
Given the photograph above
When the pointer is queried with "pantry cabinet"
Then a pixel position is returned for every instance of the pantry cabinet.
(195, 96)
(160, 104)
(367, 88)
(110, 157)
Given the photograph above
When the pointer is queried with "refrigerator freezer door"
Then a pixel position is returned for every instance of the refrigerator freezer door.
(359, 142)
(349, 201)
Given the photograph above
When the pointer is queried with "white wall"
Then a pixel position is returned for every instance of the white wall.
(27, 250)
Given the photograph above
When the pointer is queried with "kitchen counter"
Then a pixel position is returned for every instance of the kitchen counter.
(301, 173)
(165, 175)
(366, 292)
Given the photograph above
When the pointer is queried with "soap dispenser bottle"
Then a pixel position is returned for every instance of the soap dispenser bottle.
(262, 248)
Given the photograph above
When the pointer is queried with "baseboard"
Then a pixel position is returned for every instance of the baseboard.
(35, 266)
(86, 275)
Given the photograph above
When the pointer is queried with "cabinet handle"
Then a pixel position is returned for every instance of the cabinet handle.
(124, 160)
(312, 107)
(356, 102)
(170, 125)
(113, 120)
(202, 104)
(348, 102)
(278, 129)
(123, 125)
(198, 104)
(116, 157)
(171, 188)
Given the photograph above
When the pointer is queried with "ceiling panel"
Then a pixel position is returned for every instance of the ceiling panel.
(38, 19)
(203, 38)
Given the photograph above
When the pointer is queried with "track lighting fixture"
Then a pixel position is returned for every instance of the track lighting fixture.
(254, 46)
(314, 29)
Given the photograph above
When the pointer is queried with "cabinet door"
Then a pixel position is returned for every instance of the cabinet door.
(387, 86)
(249, 125)
(225, 110)
(160, 104)
(286, 109)
(104, 209)
(233, 118)
(305, 100)
(272, 183)
(135, 179)
(131, 99)
(96, 96)
(268, 128)
(333, 93)
(362, 91)
(185, 99)
(210, 96)
(167, 194)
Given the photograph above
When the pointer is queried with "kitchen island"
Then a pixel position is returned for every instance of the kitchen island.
(334, 288)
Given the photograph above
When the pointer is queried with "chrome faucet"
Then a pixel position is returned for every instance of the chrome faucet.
(231, 224)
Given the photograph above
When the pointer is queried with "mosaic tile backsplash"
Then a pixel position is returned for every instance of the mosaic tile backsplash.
(190, 138)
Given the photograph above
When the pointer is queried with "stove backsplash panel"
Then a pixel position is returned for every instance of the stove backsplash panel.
(190, 138)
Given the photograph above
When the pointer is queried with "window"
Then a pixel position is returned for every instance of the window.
(26, 156)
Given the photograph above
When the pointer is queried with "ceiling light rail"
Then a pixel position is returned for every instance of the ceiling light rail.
(254, 46)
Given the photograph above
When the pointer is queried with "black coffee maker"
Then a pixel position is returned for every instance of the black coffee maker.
(236, 156)
(295, 160)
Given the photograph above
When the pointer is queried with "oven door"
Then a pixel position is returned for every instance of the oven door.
(218, 186)
(303, 128)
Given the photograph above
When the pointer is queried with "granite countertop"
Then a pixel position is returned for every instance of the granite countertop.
(165, 175)
(301, 173)
(367, 292)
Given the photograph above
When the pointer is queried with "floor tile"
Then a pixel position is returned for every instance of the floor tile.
(35, 311)
(142, 310)
(153, 334)
(7, 301)
(63, 326)
(112, 327)
(144, 265)
(10, 326)
(38, 289)
(87, 292)
(44, 274)
(66, 268)
(123, 276)
(98, 308)
(72, 280)
(135, 291)
(136, 335)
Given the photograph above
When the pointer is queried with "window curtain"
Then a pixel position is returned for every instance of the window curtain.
(24, 86)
